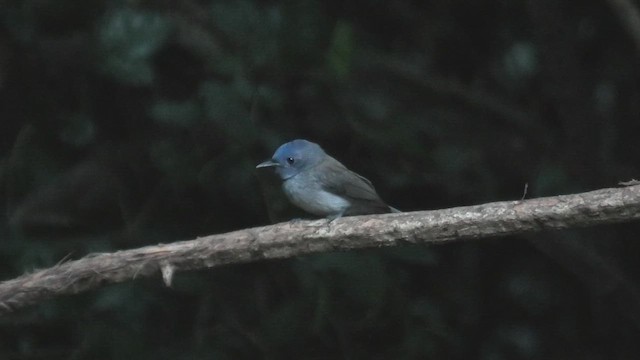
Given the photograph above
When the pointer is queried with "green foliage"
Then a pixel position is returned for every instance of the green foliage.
(340, 56)
(182, 114)
(126, 41)
(127, 123)
(79, 130)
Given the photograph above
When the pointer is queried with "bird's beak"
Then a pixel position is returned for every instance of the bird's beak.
(268, 163)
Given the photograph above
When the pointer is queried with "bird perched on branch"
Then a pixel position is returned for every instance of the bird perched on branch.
(321, 185)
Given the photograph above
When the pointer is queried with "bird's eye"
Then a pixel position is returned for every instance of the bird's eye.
(290, 160)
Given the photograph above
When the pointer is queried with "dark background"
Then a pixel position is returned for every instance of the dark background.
(127, 123)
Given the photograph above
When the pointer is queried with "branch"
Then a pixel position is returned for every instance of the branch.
(473, 97)
(291, 239)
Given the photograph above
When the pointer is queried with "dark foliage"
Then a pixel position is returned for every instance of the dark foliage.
(127, 123)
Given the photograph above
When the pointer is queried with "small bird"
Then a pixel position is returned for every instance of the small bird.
(321, 185)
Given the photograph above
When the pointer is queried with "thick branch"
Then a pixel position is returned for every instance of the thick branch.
(306, 237)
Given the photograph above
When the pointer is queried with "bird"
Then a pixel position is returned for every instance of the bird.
(321, 185)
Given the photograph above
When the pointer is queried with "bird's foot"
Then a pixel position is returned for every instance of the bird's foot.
(332, 218)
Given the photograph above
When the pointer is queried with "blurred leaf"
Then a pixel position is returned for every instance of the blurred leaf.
(21, 21)
(175, 113)
(220, 102)
(82, 200)
(127, 39)
(78, 130)
(116, 300)
(224, 106)
(238, 19)
(174, 161)
(516, 341)
(340, 54)
(301, 32)
(521, 61)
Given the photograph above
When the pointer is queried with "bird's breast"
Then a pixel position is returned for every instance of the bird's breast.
(310, 196)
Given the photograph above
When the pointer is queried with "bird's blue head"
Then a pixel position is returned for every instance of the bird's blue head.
(293, 157)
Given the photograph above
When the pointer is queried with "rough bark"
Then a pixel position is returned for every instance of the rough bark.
(291, 239)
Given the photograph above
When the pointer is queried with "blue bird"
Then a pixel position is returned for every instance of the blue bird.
(321, 185)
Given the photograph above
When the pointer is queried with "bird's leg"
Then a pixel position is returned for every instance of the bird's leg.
(332, 218)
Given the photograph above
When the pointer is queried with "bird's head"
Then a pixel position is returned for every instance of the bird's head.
(293, 157)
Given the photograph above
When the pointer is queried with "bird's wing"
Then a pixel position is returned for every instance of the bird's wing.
(337, 179)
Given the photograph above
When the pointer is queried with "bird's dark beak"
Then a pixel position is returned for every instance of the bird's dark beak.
(268, 163)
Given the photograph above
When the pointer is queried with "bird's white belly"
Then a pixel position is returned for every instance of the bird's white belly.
(314, 200)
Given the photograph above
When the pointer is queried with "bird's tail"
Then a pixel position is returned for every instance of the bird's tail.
(394, 210)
